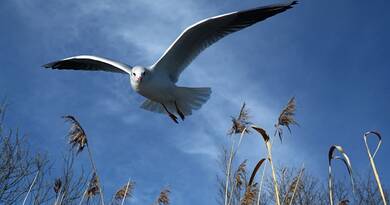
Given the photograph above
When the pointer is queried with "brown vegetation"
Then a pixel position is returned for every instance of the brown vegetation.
(25, 178)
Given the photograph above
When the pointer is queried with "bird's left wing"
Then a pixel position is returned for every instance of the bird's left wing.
(89, 63)
(201, 35)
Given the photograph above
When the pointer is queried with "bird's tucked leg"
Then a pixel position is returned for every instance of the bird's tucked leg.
(172, 116)
(179, 111)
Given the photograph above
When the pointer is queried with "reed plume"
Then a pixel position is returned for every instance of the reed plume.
(57, 189)
(125, 192)
(294, 187)
(344, 202)
(249, 195)
(286, 118)
(78, 138)
(76, 134)
(94, 186)
(240, 125)
(163, 198)
(241, 122)
(240, 175)
(57, 185)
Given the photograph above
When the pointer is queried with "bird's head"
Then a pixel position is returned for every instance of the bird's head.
(138, 74)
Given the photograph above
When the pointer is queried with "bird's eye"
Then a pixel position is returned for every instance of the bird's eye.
(133, 74)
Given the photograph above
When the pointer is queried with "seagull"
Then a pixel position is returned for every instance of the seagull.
(157, 82)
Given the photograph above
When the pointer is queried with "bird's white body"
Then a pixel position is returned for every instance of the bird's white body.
(157, 83)
(158, 88)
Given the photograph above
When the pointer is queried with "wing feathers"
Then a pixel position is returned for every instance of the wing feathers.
(201, 35)
(89, 63)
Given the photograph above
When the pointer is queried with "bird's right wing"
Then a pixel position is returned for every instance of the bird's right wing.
(89, 63)
(201, 35)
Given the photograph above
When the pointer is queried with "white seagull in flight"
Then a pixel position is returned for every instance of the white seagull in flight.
(158, 82)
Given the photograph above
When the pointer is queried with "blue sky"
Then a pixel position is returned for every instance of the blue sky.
(332, 56)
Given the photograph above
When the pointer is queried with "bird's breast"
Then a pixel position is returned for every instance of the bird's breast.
(155, 89)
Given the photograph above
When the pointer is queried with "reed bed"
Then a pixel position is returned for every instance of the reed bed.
(241, 125)
(249, 189)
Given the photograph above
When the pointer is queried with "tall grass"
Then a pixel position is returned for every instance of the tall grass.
(268, 145)
(345, 159)
(240, 125)
(294, 186)
(78, 139)
(31, 186)
(163, 198)
(125, 192)
(286, 119)
(248, 189)
(372, 162)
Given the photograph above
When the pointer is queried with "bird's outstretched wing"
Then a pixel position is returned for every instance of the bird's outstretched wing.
(201, 35)
(89, 63)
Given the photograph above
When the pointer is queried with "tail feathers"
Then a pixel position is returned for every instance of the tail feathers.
(187, 99)
(152, 106)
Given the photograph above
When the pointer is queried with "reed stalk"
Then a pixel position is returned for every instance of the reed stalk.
(372, 162)
(296, 185)
(345, 159)
(31, 186)
(268, 145)
(126, 191)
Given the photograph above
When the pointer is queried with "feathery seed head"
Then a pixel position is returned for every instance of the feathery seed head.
(94, 186)
(240, 175)
(286, 118)
(241, 123)
(344, 202)
(125, 191)
(77, 136)
(163, 198)
(57, 185)
(250, 195)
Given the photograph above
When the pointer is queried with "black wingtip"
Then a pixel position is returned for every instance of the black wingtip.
(293, 3)
(48, 65)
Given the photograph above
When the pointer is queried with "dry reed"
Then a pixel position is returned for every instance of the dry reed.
(77, 136)
(125, 192)
(240, 175)
(268, 145)
(57, 189)
(249, 195)
(163, 198)
(344, 202)
(31, 186)
(241, 122)
(372, 162)
(295, 186)
(94, 186)
(240, 125)
(286, 118)
(57, 185)
(255, 170)
(345, 159)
